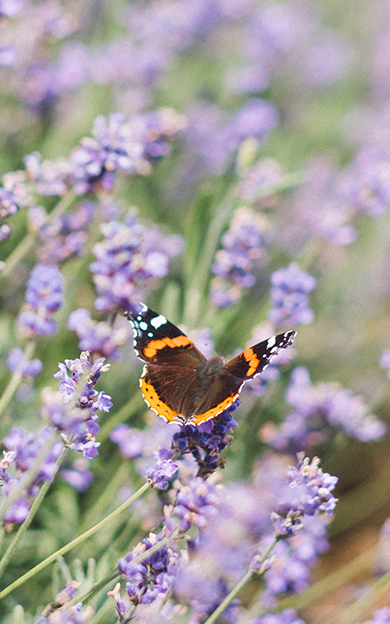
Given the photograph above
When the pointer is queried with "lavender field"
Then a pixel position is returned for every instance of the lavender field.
(226, 164)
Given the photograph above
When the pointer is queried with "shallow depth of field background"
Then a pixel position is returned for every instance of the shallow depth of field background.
(325, 68)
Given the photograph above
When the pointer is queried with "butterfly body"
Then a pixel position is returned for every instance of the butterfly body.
(179, 383)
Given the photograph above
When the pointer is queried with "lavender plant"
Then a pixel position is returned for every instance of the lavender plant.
(228, 164)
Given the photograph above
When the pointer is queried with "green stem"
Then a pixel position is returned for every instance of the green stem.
(24, 526)
(78, 540)
(15, 380)
(28, 476)
(240, 585)
(106, 496)
(27, 243)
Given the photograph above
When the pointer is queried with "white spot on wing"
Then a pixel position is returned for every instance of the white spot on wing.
(271, 342)
(143, 326)
(157, 321)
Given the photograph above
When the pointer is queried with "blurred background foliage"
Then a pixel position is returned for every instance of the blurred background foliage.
(323, 67)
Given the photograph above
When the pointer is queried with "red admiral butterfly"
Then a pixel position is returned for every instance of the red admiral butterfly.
(179, 383)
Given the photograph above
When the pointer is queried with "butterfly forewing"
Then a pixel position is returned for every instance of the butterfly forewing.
(156, 339)
(254, 359)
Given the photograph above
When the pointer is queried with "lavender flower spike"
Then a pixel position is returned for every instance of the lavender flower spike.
(73, 410)
(289, 296)
(151, 579)
(163, 471)
(43, 298)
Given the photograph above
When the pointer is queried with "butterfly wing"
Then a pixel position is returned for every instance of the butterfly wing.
(170, 390)
(158, 341)
(227, 385)
(170, 378)
(254, 360)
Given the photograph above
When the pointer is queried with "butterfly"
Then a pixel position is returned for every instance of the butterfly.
(179, 383)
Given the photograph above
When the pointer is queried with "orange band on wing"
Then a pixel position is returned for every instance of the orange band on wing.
(213, 412)
(252, 360)
(156, 345)
(154, 402)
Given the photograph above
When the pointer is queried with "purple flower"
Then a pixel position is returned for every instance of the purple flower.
(27, 446)
(130, 441)
(99, 338)
(10, 8)
(23, 448)
(151, 579)
(196, 503)
(287, 616)
(385, 360)
(195, 584)
(17, 362)
(66, 237)
(382, 556)
(43, 298)
(309, 489)
(13, 195)
(78, 475)
(129, 258)
(366, 184)
(163, 471)
(73, 410)
(206, 441)
(289, 296)
(294, 558)
(243, 251)
(121, 144)
(50, 177)
(381, 616)
(255, 119)
(315, 409)
(65, 612)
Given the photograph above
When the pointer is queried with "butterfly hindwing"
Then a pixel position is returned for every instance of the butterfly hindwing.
(169, 390)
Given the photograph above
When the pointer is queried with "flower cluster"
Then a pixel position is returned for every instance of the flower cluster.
(287, 616)
(99, 338)
(206, 441)
(65, 238)
(243, 251)
(315, 409)
(130, 256)
(381, 616)
(289, 296)
(195, 503)
(62, 611)
(120, 144)
(150, 579)
(13, 196)
(366, 182)
(23, 449)
(18, 363)
(309, 489)
(163, 471)
(43, 298)
(73, 411)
